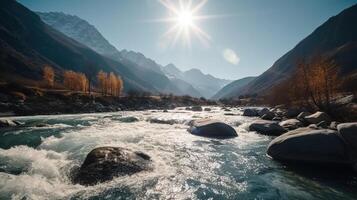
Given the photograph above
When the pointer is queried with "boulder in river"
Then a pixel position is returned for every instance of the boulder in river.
(322, 146)
(268, 116)
(162, 121)
(250, 112)
(348, 131)
(317, 118)
(104, 163)
(128, 119)
(207, 109)
(263, 111)
(267, 127)
(212, 128)
(302, 116)
(8, 123)
(291, 124)
(196, 108)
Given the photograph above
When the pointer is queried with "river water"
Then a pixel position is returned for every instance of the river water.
(36, 160)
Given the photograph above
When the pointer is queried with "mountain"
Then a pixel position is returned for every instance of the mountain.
(336, 39)
(229, 90)
(146, 68)
(27, 44)
(206, 84)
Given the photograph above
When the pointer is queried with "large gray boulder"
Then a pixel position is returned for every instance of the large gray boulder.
(309, 145)
(267, 127)
(212, 128)
(250, 112)
(104, 163)
(318, 117)
(291, 124)
(348, 131)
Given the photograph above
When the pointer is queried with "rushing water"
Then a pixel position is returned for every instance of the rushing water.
(35, 161)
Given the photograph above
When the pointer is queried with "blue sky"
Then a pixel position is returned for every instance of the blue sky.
(245, 40)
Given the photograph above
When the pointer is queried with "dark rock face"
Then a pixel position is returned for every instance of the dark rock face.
(268, 116)
(104, 163)
(212, 129)
(311, 146)
(267, 127)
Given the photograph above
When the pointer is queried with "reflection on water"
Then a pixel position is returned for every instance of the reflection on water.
(36, 160)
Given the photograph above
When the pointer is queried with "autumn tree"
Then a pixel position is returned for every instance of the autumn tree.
(75, 81)
(48, 76)
(109, 84)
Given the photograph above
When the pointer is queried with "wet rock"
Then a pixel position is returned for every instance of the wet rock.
(268, 116)
(229, 114)
(322, 124)
(277, 119)
(212, 129)
(263, 112)
(104, 163)
(196, 108)
(266, 127)
(293, 112)
(187, 108)
(317, 118)
(128, 119)
(8, 123)
(162, 121)
(311, 146)
(165, 110)
(207, 109)
(313, 126)
(333, 125)
(348, 131)
(291, 124)
(302, 116)
(250, 112)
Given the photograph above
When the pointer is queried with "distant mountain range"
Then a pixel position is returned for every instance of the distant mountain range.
(336, 39)
(192, 82)
(27, 44)
(230, 90)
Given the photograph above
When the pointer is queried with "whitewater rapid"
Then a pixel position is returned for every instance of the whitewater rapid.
(36, 161)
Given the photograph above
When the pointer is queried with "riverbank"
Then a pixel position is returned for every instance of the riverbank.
(26, 101)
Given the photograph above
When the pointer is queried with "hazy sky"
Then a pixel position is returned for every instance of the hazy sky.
(246, 38)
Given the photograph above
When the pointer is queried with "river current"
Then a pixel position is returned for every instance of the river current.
(36, 160)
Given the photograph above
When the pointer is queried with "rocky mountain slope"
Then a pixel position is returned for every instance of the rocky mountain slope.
(229, 90)
(336, 39)
(27, 44)
(87, 34)
(206, 84)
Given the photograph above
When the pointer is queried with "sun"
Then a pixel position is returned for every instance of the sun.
(184, 17)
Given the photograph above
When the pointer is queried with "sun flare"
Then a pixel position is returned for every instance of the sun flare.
(184, 15)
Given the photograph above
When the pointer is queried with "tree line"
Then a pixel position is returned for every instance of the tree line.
(108, 83)
(314, 84)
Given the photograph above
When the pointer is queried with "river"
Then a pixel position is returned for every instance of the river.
(36, 160)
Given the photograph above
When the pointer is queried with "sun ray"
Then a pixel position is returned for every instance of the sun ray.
(184, 18)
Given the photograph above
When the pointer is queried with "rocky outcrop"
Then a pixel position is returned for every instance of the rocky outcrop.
(212, 129)
(311, 146)
(104, 163)
(267, 127)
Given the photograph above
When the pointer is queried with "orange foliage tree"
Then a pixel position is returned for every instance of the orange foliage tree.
(313, 84)
(75, 81)
(110, 84)
(48, 75)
